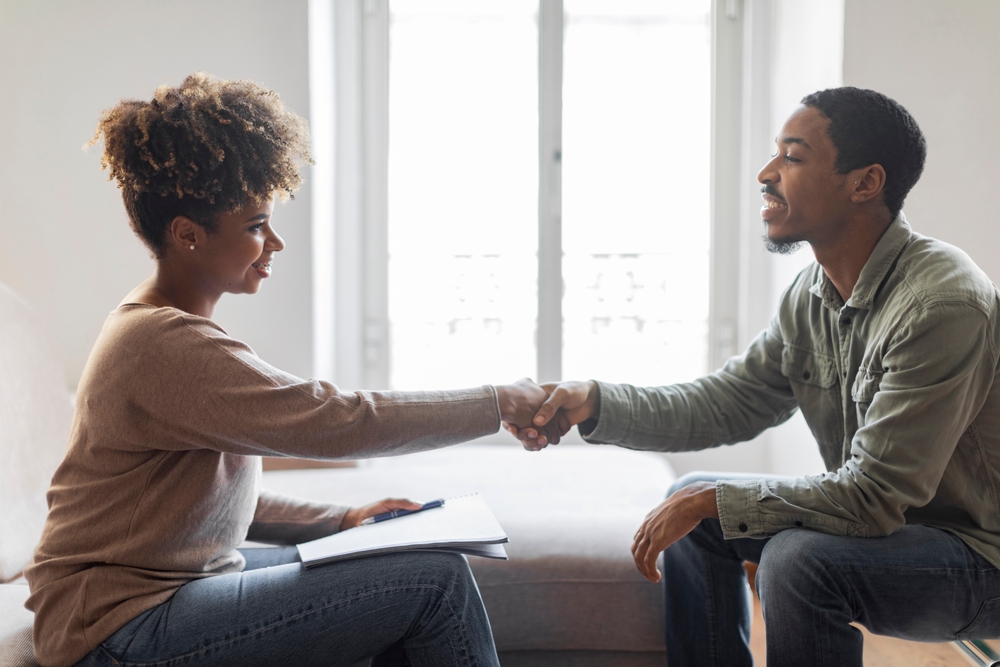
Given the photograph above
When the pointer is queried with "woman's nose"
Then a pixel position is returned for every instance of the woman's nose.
(274, 242)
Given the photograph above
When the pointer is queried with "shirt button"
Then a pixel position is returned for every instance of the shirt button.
(743, 528)
(806, 375)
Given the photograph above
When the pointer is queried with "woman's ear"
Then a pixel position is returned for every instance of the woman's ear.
(185, 234)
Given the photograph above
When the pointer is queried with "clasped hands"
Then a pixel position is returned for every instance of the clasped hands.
(542, 415)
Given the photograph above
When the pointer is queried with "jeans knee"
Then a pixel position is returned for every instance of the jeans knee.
(793, 560)
(448, 570)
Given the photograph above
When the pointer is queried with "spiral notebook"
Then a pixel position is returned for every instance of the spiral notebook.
(462, 525)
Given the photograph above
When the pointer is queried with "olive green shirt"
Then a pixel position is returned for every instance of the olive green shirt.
(896, 385)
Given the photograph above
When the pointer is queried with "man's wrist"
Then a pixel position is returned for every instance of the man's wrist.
(701, 496)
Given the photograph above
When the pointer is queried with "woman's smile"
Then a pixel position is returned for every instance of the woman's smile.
(263, 268)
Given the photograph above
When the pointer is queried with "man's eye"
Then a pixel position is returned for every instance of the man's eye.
(789, 158)
(257, 227)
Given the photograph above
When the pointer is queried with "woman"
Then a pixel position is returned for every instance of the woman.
(138, 563)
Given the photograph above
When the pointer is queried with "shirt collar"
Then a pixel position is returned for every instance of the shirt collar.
(895, 238)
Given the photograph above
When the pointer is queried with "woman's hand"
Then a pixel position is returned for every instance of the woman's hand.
(519, 402)
(568, 404)
(356, 515)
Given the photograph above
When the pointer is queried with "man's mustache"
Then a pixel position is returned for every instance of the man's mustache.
(768, 190)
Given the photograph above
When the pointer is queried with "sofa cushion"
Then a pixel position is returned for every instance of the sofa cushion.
(35, 414)
(15, 627)
(570, 512)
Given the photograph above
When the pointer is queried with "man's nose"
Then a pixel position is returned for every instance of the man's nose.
(767, 173)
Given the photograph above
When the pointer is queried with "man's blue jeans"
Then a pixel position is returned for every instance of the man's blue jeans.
(415, 608)
(919, 583)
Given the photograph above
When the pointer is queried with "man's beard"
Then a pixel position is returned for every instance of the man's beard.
(780, 246)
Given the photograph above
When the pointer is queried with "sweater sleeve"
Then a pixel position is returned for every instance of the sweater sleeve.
(191, 386)
(281, 519)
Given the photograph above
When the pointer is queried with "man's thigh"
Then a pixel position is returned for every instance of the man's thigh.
(919, 583)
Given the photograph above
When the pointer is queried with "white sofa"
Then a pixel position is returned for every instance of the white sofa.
(569, 596)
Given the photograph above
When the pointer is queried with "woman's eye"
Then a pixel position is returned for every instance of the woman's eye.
(257, 227)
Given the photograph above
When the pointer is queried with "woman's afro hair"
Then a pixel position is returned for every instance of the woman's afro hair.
(207, 147)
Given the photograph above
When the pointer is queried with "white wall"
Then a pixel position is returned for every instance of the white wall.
(65, 243)
(941, 60)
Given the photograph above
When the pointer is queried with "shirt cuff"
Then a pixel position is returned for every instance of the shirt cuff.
(739, 512)
(614, 416)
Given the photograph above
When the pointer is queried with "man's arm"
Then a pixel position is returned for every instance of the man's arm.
(934, 376)
(748, 395)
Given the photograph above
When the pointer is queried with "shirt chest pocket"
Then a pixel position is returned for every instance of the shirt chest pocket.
(808, 368)
(817, 390)
(866, 385)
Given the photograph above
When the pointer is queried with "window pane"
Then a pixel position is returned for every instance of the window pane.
(636, 149)
(463, 189)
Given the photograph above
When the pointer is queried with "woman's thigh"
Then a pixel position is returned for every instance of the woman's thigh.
(336, 614)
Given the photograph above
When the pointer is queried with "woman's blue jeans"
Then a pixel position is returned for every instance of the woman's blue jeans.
(919, 583)
(416, 608)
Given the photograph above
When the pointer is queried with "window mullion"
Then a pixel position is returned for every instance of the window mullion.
(550, 279)
(375, 93)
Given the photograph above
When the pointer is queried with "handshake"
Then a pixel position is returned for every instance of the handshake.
(541, 415)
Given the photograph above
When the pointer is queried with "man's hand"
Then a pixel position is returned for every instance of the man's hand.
(518, 404)
(568, 404)
(672, 519)
(356, 515)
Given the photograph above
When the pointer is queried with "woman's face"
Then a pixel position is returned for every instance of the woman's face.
(237, 257)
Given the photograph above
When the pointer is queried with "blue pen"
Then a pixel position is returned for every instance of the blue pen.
(396, 513)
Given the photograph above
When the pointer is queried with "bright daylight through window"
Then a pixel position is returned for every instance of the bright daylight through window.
(464, 185)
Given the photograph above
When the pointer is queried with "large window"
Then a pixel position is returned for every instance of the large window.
(520, 187)
(624, 184)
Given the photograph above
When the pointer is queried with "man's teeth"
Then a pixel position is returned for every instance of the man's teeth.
(262, 266)
(770, 203)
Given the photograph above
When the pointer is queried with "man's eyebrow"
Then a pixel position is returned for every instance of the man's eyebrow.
(795, 140)
(259, 216)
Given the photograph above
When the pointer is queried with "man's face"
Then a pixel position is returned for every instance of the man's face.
(805, 199)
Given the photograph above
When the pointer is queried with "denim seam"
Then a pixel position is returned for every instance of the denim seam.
(285, 621)
(712, 638)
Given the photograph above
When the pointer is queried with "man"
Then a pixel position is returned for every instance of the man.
(889, 346)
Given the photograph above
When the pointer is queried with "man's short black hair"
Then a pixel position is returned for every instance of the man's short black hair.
(869, 128)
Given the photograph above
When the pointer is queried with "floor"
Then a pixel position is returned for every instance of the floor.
(879, 651)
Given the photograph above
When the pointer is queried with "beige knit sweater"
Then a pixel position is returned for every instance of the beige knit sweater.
(160, 482)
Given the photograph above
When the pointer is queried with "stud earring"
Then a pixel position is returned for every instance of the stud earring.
(191, 246)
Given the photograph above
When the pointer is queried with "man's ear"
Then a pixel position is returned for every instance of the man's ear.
(185, 234)
(866, 183)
